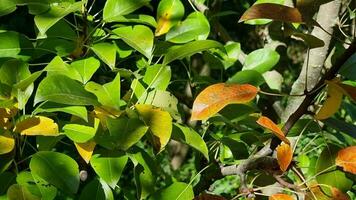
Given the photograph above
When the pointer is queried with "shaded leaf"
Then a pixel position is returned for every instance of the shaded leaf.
(284, 156)
(348, 68)
(37, 125)
(346, 158)
(46, 165)
(207, 196)
(169, 12)
(338, 195)
(81, 133)
(272, 11)
(271, 126)
(85, 150)
(215, 97)
(18, 192)
(96, 190)
(159, 123)
(79, 111)
(332, 103)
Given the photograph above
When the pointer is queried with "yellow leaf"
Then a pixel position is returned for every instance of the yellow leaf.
(37, 125)
(270, 125)
(102, 114)
(280, 197)
(284, 156)
(7, 142)
(332, 103)
(346, 158)
(159, 122)
(315, 192)
(85, 150)
(215, 97)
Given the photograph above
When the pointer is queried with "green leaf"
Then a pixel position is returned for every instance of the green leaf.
(56, 12)
(189, 49)
(48, 191)
(47, 165)
(86, 68)
(261, 60)
(47, 143)
(7, 179)
(158, 76)
(195, 27)
(160, 125)
(106, 52)
(238, 149)
(61, 89)
(17, 192)
(192, 138)
(108, 94)
(80, 133)
(58, 67)
(177, 191)
(115, 8)
(95, 190)
(169, 12)
(274, 80)
(139, 37)
(144, 171)
(15, 45)
(348, 68)
(328, 174)
(125, 132)
(139, 19)
(247, 76)
(109, 167)
(26, 82)
(79, 111)
(7, 7)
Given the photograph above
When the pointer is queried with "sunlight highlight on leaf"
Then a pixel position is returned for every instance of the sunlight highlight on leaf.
(280, 197)
(37, 125)
(346, 158)
(270, 125)
(215, 97)
(85, 150)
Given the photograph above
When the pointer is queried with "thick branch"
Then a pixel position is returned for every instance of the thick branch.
(327, 15)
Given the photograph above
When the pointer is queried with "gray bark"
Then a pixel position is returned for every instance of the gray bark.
(327, 18)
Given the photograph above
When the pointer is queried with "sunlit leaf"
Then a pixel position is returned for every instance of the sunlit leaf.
(261, 60)
(86, 68)
(177, 191)
(160, 125)
(284, 156)
(272, 11)
(271, 126)
(346, 158)
(280, 197)
(332, 103)
(37, 125)
(81, 133)
(7, 142)
(215, 97)
(106, 52)
(169, 12)
(116, 8)
(85, 150)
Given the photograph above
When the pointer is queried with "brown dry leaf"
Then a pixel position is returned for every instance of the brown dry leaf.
(332, 103)
(209, 197)
(273, 11)
(215, 97)
(85, 150)
(284, 156)
(280, 197)
(37, 125)
(346, 158)
(270, 125)
(338, 195)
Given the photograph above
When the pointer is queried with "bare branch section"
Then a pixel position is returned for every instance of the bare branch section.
(327, 18)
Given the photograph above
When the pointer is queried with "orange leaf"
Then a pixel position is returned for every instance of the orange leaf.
(215, 97)
(272, 11)
(346, 158)
(284, 156)
(348, 90)
(332, 103)
(85, 150)
(280, 197)
(270, 125)
(338, 195)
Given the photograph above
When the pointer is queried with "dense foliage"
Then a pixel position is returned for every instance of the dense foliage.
(174, 99)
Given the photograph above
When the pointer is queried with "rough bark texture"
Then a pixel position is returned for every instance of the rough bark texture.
(326, 17)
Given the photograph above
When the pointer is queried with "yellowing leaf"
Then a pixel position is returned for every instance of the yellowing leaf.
(270, 125)
(85, 150)
(346, 158)
(37, 125)
(338, 195)
(272, 11)
(315, 192)
(169, 12)
(284, 156)
(159, 122)
(332, 103)
(7, 142)
(215, 97)
(103, 113)
(280, 197)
